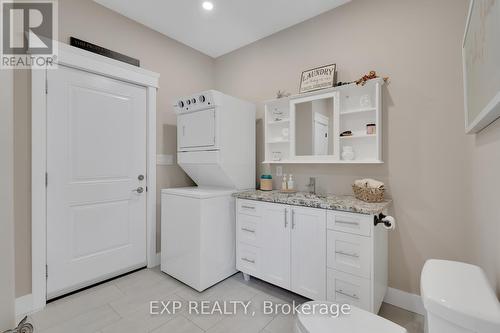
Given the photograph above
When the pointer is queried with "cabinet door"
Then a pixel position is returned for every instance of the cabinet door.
(308, 252)
(275, 235)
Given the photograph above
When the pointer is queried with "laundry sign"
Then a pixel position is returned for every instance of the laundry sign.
(318, 78)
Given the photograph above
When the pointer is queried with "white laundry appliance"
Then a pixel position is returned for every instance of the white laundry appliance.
(216, 148)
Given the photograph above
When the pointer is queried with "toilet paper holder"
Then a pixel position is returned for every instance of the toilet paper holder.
(380, 219)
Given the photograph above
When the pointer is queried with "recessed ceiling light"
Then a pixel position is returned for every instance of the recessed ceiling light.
(207, 5)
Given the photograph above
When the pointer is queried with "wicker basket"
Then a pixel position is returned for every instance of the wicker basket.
(368, 194)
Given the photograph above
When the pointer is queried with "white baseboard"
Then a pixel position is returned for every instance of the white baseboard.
(24, 306)
(405, 300)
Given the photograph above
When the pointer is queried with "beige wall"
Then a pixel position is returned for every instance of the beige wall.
(6, 202)
(182, 69)
(22, 180)
(417, 44)
(485, 218)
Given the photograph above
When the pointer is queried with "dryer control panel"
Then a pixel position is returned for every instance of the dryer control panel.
(196, 102)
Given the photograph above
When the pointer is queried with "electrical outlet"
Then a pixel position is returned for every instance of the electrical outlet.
(279, 171)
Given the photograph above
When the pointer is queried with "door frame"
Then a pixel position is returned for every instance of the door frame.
(322, 119)
(90, 62)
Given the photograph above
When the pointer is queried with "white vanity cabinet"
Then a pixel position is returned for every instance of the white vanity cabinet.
(317, 253)
(283, 245)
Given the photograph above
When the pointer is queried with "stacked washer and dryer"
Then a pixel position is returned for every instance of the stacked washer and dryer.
(216, 148)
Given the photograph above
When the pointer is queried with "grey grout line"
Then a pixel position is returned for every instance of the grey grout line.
(113, 309)
(119, 318)
(192, 322)
(183, 312)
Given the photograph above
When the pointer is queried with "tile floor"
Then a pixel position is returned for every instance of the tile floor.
(123, 305)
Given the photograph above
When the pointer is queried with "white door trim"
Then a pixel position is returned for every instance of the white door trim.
(94, 63)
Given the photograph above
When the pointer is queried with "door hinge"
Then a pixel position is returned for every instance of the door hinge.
(46, 179)
(46, 271)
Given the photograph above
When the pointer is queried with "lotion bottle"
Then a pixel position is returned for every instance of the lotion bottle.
(290, 183)
(283, 183)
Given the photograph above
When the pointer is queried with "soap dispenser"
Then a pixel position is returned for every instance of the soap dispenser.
(284, 183)
(290, 184)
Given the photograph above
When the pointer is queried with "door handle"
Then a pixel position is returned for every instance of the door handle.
(293, 218)
(248, 260)
(139, 190)
(286, 218)
(346, 222)
(354, 255)
(341, 292)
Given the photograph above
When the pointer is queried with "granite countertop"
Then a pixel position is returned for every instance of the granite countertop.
(347, 203)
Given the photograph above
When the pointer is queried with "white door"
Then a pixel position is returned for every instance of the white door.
(196, 129)
(308, 252)
(320, 134)
(275, 263)
(96, 158)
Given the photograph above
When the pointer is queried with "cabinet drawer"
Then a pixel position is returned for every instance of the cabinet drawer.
(248, 259)
(249, 229)
(249, 207)
(345, 288)
(358, 224)
(349, 253)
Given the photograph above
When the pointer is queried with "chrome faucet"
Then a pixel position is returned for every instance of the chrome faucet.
(312, 185)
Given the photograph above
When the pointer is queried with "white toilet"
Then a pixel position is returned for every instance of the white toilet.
(357, 321)
(458, 299)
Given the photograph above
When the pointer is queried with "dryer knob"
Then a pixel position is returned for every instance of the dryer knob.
(202, 99)
(188, 102)
(193, 100)
(180, 104)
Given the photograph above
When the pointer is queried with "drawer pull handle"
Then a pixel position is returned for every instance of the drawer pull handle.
(248, 207)
(354, 255)
(248, 230)
(248, 260)
(347, 222)
(341, 292)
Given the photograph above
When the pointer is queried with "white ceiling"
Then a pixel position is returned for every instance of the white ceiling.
(230, 25)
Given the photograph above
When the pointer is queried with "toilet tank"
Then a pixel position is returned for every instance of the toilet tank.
(458, 298)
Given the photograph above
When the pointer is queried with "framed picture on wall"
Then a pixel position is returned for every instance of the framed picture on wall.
(318, 78)
(481, 65)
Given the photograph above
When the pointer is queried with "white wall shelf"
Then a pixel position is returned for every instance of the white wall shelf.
(354, 111)
(279, 122)
(359, 136)
(324, 162)
(278, 141)
(354, 107)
